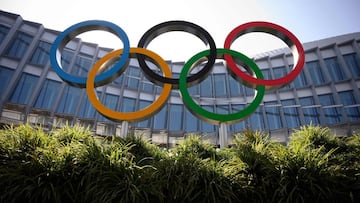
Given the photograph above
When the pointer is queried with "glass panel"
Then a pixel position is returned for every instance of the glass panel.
(81, 67)
(291, 114)
(206, 87)
(146, 123)
(86, 109)
(3, 32)
(175, 121)
(191, 122)
(280, 72)
(66, 57)
(133, 77)
(5, 77)
(256, 119)
(353, 63)
(334, 68)
(240, 126)
(128, 104)
(311, 114)
(24, 88)
(332, 114)
(273, 115)
(235, 87)
(205, 126)
(48, 94)
(160, 119)
(220, 85)
(110, 101)
(19, 45)
(267, 74)
(249, 91)
(41, 54)
(119, 80)
(194, 90)
(222, 109)
(300, 80)
(348, 98)
(146, 85)
(353, 113)
(315, 72)
(69, 100)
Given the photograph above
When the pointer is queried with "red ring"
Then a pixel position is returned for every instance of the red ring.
(273, 29)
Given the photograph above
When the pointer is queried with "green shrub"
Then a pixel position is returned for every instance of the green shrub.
(72, 165)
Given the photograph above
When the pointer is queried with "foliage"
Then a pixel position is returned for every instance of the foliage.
(71, 165)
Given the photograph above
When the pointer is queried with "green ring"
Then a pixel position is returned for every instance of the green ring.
(211, 117)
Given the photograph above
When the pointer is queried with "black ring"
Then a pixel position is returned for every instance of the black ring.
(177, 26)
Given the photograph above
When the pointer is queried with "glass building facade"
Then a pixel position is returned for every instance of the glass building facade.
(325, 93)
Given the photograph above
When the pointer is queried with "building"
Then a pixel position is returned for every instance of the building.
(325, 93)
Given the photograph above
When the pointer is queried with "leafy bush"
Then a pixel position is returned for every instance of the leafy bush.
(72, 165)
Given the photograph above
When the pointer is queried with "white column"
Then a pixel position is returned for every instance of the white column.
(124, 129)
(223, 135)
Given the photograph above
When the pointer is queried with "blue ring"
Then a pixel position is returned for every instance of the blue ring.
(74, 30)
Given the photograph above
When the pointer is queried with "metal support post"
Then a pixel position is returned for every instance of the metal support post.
(124, 129)
(223, 135)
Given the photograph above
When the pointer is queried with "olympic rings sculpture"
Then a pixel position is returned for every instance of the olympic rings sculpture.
(119, 59)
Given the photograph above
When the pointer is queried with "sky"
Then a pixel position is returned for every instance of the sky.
(308, 20)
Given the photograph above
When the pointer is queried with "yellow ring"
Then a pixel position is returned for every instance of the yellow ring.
(136, 115)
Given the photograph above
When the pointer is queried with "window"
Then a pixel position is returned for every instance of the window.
(256, 120)
(146, 123)
(175, 120)
(194, 90)
(146, 85)
(160, 119)
(280, 72)
(69, 100)
(86, 108)
(110, 101)
(119, 80)
(353, 62)
(273, 115)
(235, 87)
(300, 80)
(240, 125)
(81, 67)
(291, 113)
(133, 77)
(48, 95)
(348, 99)
(332, 114)
(206, 87)
(249, 91)
(220, 85)
(128, 104)
(191, 122)
(334, 68)
(66, 57)
(315, 72)
(311, 113)
(41, 54)
(19, 45)
(24, 88)
(267, 74)
(3, 32)
(5, 77)
(205, 126)
(222, 109)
